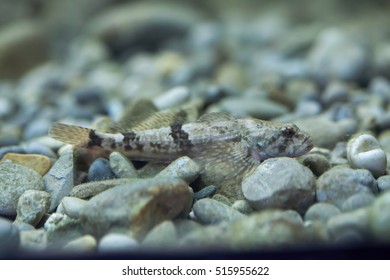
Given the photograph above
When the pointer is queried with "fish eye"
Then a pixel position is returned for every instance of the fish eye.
(288, 131)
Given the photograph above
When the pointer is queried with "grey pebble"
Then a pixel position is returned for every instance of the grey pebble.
(100, 170)
(151, 169)
(9, 237)
(384, 183)
(210, 211)
(356, 201)
(242, 206)
(339, 183)
(71, 206)
(11, 149)
(36, 128)
(280, 183)
(83, 244)
(321, 211)
(183, 168)
(137, 206)
(15, 179)
(33, 240)
(357, 220)
(22, 226)
(59, 181)
(37, 148)
(222, 198)
(32, 206)
(121, 166)
(185, 226)
(208, 191)
(335, 91)
(380, 86)
(117, 243)
(162, 236)
(317, 163)
(173, 97)
(379, 218)
(62, 229)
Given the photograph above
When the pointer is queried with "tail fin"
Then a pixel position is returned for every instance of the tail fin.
(69, 134)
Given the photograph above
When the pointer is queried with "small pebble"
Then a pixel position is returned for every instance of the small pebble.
(183, 168)
(33, 240)
(71, 206)
(365, 152)
(32, 206)
(321, 211)
(379, 218)
(122, 167)
(86, 243)
(210, 211)
(9, 237)
(59, 181)
(39, 149)
(162, 235)
(384, 183)
(172, 97)
(100, 170)
(317, 163)
(280, 183)
(208, 191)
(242, 206)
(117, 243)
(339, 183)
(39, 163)
(357, 201)
(222, 198)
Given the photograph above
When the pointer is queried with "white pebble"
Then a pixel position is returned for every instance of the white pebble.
(364, 151)
(172, 97)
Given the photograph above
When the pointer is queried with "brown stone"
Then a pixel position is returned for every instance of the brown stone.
(39, 163)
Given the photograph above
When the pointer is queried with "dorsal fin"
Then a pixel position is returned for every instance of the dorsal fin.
(215, 117)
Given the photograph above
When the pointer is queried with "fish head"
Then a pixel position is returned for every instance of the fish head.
(267, 139)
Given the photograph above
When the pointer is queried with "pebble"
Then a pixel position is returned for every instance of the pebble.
(32, 206)
(117, 243)
(339, 183)
(357, 221)
(208, 191)
(22, 226)
(384, 183)
(9, 237)
(62, 229)
(122, 167)
(173, 97)
(325, 132)
(15, 179)
(210, 211)
(185, 226)
(380, 86)
(379, 218)
(357, 201)
(183, 168)
(100, 170)
(83, 244)
(40, 149)
(317, 163)
(280, 183)
(71, 206)
(335, 91)
(33, 240)
(162, 236)
(242, 206)
(59, 181)
(222, 198)
(137, 206)
(321, 211)
(11, 149)
(364, 151)
(40, 164)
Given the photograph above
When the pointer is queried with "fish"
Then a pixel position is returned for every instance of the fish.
(224, 147)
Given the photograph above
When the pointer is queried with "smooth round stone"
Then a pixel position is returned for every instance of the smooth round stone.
(317, 163)
(384, 140)
(380, 217)
(39, 149)
(210, 211)
(59, 181)
(364, 151)
(122, 167)
(380, 86)
(33, 240)
(39, 163)
(356, 201)
(339, 183)
(86, 243)
(357, 220)
(15, 179)
(117, 243)
(9, 237)
(242, 206)
(137, 205)
(336, 91)
(222, 198)
(11, 149)
(183, 168)
(36, 128)
(280, 183)
(208, 191)
(100, 170)
(22, 226)
(71, 206)
(162, 235)
(32, 206)
(384, 183)
(321, 211)
(173, 97)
